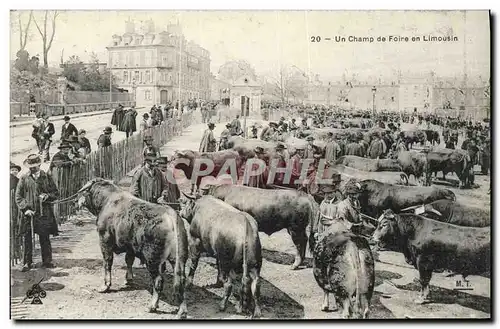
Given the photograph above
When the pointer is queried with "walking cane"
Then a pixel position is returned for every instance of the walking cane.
(32, 233)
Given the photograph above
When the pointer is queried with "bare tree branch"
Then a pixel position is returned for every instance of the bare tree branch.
(47, 46)
(53, 30)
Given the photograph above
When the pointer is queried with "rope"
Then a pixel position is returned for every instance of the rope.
(68, 199)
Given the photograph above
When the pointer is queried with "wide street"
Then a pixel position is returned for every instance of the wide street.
(22, 144)
(71, 286)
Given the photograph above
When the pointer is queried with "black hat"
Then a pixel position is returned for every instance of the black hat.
(66, 118)
(162, 161)
(309, 138)
(13, 165)
(33, 160)
(82, 131)
(108, 130)
(72, 139)
(145, 115)
(211, 124)
(280, 146)
(259, 150)
(65, 145)
(228, 125)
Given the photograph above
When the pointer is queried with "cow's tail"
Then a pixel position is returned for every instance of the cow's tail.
(356, 262)
(244, 279)
(314, 217)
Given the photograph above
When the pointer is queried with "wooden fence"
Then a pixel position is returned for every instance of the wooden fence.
(113, 162)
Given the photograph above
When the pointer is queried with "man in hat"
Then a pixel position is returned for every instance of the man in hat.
(148, 182)
(68, 129)
(14, 171)
(268, 132)
(75, 148)
(236, 127)
(224, 137)
(254, 131)
(332, 150)
(62, 158)
(150, 148)
(259, 181)
(104, 139)
(145, 124)
(312, 151)
(208, 142)
(280, 161)
(293, 125)
(283, 125)
(296, 160)
(46, 133)
(84, 142)
(377, 147)
(170, 196)
(34, 194)
(484, 154)
(128, 123)
(37, 131)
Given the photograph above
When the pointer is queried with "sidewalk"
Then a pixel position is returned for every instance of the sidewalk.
(29, 120)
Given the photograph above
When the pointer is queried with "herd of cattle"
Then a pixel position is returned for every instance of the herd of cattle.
(425, 223)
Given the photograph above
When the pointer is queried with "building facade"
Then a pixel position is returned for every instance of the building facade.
(246, 87)
(159, 67)
(220, 90)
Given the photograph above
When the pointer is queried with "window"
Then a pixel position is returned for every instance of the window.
(137, 58)
(148, 76)
(136, 77)
(392, 99)
(130, 59)
(147, 95)
(164, 60)
(125, 76)
(142, 58)
(149, 58)
(141, 80)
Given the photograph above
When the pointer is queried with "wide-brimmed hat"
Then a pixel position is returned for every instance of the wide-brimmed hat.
(33, 160)
(258, 150)
(145, 115)
(162, 161)
(150, 156)
(211, 124)
(228, 125)
(280, 146)
(273, 124)
(309, 138)
(13, 165)
(82, 131)
(65, 145)
(66, 118)
(108, 130)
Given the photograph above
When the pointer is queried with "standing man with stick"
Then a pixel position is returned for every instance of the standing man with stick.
(34, 194)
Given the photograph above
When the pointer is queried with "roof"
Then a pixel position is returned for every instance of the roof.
(246, 81)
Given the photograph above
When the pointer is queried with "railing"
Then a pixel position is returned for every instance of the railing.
(113, 162)
(23, 109)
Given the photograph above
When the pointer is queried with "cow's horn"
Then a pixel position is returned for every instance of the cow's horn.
(435, 211)
(190, 197)
(86, 186)
(380, 218)
(410, 208)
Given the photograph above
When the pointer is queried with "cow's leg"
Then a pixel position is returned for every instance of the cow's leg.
(107, 254)
(194, 254)
(300, 241)
(346, 308)
(154, 271)
(129, 259)
(255, 277)
(228, 288)
(179, 287)
(425, 277)
(325, 306)
(220, 281)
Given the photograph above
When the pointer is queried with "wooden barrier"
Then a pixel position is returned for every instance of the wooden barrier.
(113, 162)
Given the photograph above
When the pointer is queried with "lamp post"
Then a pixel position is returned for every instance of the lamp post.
(374, 91)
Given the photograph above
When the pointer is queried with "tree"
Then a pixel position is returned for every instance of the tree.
(24, 32)
(289, 82)
(233, 70)
(46, 40)
(88, 76)
(73, 69)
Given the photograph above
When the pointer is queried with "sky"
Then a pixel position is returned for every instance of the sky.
(268, 39)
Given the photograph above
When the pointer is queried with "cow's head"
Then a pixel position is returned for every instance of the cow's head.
(94, 194)
(387, 233)
(187, 203)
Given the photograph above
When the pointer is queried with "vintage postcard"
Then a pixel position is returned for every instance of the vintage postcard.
(250, 164)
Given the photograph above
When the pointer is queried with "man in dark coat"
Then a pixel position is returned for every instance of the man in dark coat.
(236, 127)
(46, 132)
(68, 129)
(117, 118)
(148, 183)
(34, 194)
(62, 158)
(171, 194)
(208, 142)
(128, 124)
(105, 139)
(150, 149)
(14, 171)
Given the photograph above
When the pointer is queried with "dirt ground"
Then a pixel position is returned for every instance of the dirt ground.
(286, 294)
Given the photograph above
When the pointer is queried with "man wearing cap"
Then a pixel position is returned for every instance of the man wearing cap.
(104, 139)
(34, 194)
(62, 158)
(259, 181)
(68, 129)
(208, 142)
(332, 149)
(171, 194)
(84, 142)
(46, 133)
(236, 127)
(150, 148)
(14, 171)
(224, 137)
(148, 182)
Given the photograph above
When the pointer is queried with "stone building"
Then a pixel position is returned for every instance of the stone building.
(246, 87)
(159, 66)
